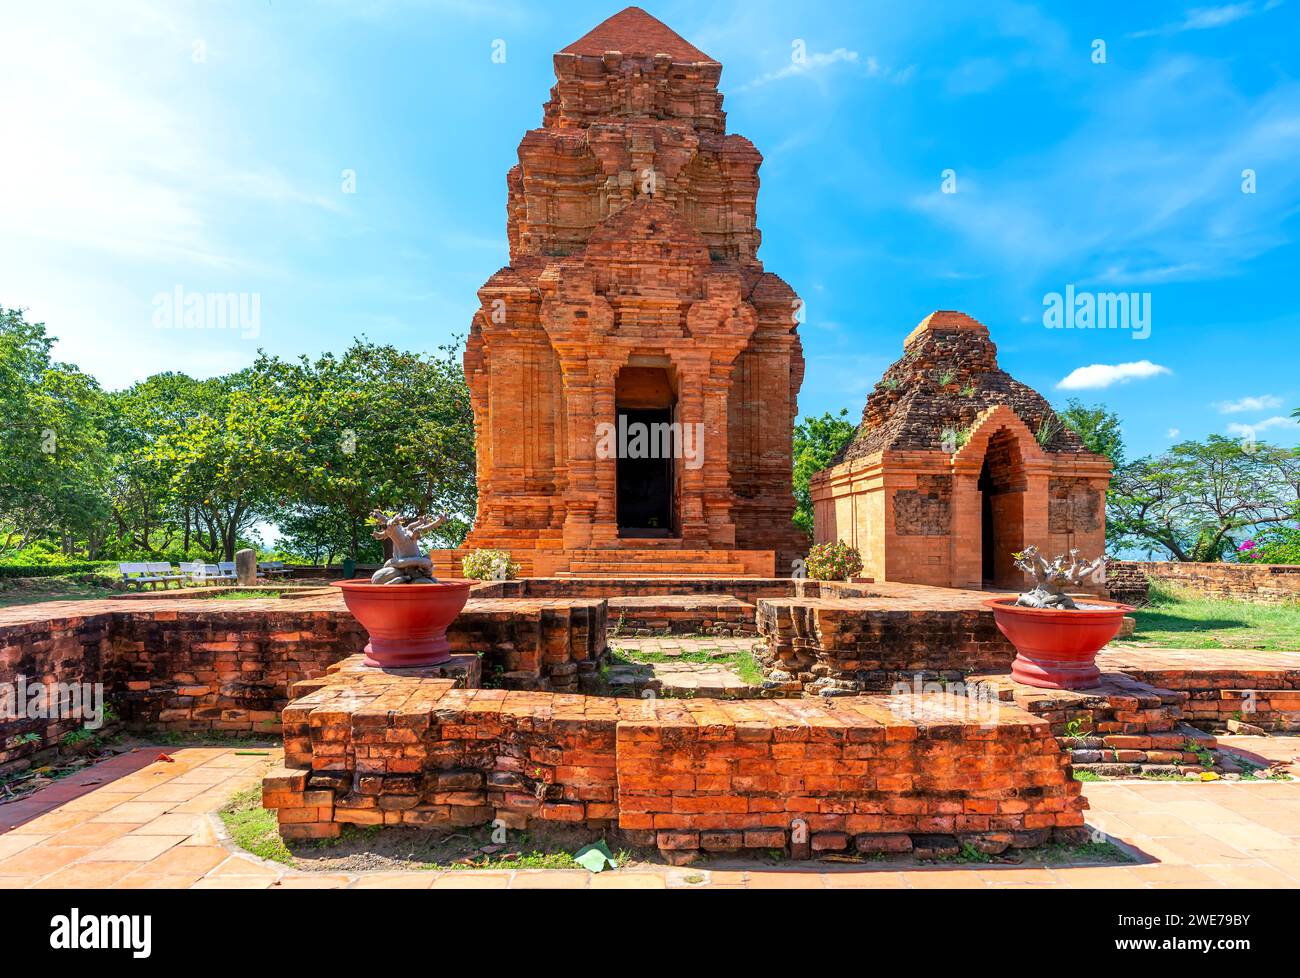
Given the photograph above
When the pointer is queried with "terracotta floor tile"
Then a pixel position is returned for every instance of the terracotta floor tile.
(98, 801)
(866, 880)
(785, 879)
(183, 860)
(1098, 877)
(240, 866)
(173, 792)
(87, 875)
(1250, 836)
(173, 823)
(627, 881)
(143, 880)
(50, 823)
(11, 843)
(42, 859)
(468, 880)
(234, 883)
(92, 834)
(945, 879)
(542, 879)
(1252, 876)
(394, 881)
(17, 882)
(312, 881)
(138, 848)
(139, 812)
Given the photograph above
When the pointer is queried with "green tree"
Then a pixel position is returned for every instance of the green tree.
(1199, 498)
(54, 467)
(373, 428)
(1098, 428)
(816, 442)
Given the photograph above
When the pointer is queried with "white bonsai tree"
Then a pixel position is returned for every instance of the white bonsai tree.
(1052, 579)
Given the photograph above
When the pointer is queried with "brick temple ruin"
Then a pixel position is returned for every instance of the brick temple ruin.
(634, 296)
(956, 466)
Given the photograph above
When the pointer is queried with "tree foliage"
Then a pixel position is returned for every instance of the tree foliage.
(177, 467)
(816, 442)
(1099, 429)
(1198, 501)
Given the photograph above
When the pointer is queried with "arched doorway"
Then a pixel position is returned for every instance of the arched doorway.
(1002, 486)
(645, 402)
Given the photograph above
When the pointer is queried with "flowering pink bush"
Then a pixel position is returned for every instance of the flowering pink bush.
(833, 562)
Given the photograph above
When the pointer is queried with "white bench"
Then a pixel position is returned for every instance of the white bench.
(153, 573)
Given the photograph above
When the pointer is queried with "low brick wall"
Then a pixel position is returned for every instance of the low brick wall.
(852, 645)
(747, 589)
(868, 775)
(202, 664)
(1120, 728)
(1260, 583)
(67, 650)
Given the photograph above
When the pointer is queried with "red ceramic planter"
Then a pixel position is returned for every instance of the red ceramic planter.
(1057, 649)
(407, 622)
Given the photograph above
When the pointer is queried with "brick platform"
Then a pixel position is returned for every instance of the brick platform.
(1259, 583)
(1121, 728)
(1224, 686)
(199, 664)
(869, 774)
(852, 645)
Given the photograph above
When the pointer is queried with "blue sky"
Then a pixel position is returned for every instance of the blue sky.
(203, 146)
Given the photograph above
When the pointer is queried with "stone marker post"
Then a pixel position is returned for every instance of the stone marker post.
(246, 567)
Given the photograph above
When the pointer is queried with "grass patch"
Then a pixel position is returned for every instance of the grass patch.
(743, 663)
(35, 590)
(1081, 852)
(1177, 618)
(255, 828)
(1087, 776)
(210, 738)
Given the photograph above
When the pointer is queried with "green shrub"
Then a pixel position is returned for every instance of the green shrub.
(489, 565)
(54, 570)
(833, 562)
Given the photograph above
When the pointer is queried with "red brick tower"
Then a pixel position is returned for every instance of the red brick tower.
(634, 295)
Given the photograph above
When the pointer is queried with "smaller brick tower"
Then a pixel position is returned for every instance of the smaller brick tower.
(956, 466)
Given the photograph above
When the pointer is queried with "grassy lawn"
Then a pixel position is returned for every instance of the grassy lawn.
(33, 590)
(1181, 619)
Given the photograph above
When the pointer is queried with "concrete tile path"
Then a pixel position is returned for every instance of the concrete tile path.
(138, 821)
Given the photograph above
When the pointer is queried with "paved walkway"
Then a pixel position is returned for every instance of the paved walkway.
(137, 821)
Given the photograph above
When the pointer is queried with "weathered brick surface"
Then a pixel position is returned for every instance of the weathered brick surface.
(199, 664)
(1261, 583)
(869, 643)
(1222, 685)
(1122, 727)
(631, 219)
(687, 774)
(946, 432)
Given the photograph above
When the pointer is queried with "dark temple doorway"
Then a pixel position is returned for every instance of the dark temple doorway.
(645, 402)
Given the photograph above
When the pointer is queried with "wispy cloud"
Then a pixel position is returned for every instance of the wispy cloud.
(1130, 220)
(1209, 18)
(1265, 402)
(816, 63)
(1098, 376)
(1248, 430)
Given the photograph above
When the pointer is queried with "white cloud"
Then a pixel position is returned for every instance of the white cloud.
(1172, 433)
(1099, 375)
(1249, 430)
(1209, 18)
(817, 62)
(1264, 402)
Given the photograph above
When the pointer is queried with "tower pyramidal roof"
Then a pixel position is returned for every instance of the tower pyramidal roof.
(634, 32)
